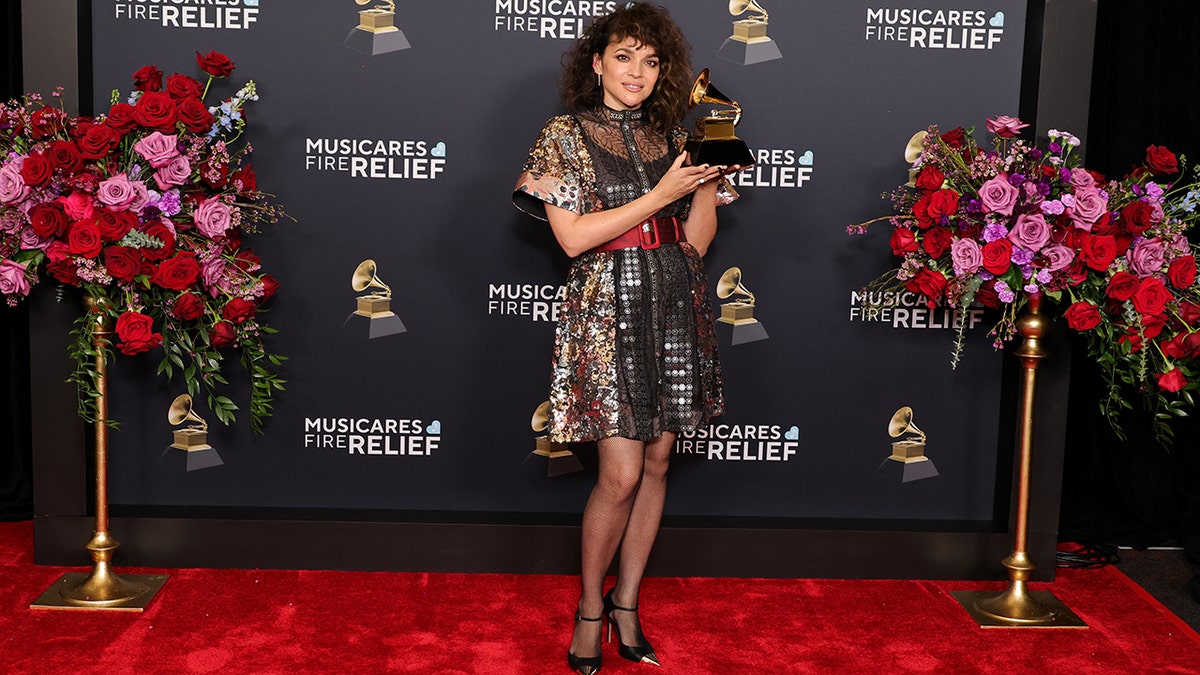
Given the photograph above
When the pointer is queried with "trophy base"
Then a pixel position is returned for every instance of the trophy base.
(907, 472)
(740, 333)
(719, 152)
(190, 459)
(371, 327)
(749, 53)
(374, 43)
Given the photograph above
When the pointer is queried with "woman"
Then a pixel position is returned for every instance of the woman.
(635, 352)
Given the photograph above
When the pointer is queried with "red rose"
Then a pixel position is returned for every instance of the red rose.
(245, 180)
(1153, 325)
(1189, 312)
(943, 203)
(930, 178)
(215, 64)
(155, 110)
(1082, 316)
(181, 87)
(223, 334)
(1122, 286)
(147, 78)
(188, 307)
(178, 273)
(937, 241)
(997, 256)
(215, 175)
(955, 138)
(1151, 296)
(1161, 160)
(1135, 217)
(136, 332)
(194, 115)
(99, 141)
(36, 169)
(929, 283)
(902, 241)
(160, 232)
(120, 117)
(238, 310)
(270, 285)
(114, 225)
(247, 260)
(1182, 271)
(987, 295)
(48, 220)
(123, 262)
(1176, 347)
(64, 271)
(920, 211)
(1172, 380)
(1099, 251)
(84, 239)
(65, 157)
(47, 121)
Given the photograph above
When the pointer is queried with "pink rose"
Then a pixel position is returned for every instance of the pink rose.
(998, 195)
(1057, 257)
(158, 148)
(1090, 204)
(12, 186)
(12, 278)
(175, 173)
(117, 192)
(1082, 178)
(1030, 231)
(966, 255)
(213, 217)
(1005, 126)
(78, 205)
(1147, 257)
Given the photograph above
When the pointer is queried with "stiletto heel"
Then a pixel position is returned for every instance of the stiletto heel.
(641, 651)
(584, 665)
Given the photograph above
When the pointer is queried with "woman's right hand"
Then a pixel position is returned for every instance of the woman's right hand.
(680, 180)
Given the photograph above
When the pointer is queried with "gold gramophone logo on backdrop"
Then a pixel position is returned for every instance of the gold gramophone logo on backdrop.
(749, 43)
(907, 461)
(559, 460)
(373, 317)
(738, 314)
(715, 143)
(194, 438)
(376, 32)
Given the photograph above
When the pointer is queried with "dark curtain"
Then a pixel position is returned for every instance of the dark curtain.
(16, 461)
(1144, 91)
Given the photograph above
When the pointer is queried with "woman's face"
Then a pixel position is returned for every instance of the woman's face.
(628, 71)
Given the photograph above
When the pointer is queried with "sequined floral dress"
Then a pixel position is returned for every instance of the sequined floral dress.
(635, 353)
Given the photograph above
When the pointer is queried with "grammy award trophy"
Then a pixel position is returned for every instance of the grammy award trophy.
(559, 460)
(715, 143)
(374, 316)
(191, 439)
(749, 43)
(376, 32)
(738, 313)
(907, 461)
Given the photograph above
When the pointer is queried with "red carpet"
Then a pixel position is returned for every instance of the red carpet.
(275, 621)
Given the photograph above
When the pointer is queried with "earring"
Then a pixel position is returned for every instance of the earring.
(598, 82)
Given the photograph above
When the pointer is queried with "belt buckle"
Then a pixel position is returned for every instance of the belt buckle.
(648, 234)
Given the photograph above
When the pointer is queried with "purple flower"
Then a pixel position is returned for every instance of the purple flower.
(1016, 179)
(1005, 293)
(994, 231)
(1022, 256)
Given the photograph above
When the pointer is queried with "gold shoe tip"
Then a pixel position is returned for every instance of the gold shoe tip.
(651, 659)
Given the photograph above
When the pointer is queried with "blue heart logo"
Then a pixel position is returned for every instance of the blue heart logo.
(998, 20)
(439, 150)
(805, 159)
(434, 428)
(793, 434)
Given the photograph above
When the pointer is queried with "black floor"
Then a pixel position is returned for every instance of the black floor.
(1165, 574)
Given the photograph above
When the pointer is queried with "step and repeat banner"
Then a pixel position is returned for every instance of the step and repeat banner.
(394, 135)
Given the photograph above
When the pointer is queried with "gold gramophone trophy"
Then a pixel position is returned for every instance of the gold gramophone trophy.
(715, 143)
(912, 152)
(907, 461)
(192, 439)
(374, 317)
(376, 32)
(749, 42)
(738, 313)
(559, 460)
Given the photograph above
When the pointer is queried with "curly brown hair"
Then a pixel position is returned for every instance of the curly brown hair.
(650, 25)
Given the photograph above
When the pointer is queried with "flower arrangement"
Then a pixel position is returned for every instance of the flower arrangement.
(998, 227)
(144, 210)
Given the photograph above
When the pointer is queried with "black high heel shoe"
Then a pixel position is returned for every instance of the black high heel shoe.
(640, 651)
(584, 665)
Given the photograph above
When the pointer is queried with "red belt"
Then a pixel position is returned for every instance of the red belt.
(649, 234)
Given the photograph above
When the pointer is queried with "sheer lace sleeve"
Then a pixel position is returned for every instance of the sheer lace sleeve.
(557, 171)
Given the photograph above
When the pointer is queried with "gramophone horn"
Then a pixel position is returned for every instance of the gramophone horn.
(730, 283)
(181, 411)
(738, 6)
(901, 423)
(541, 417)
(912, 151)
(704, 91)
(364, 278)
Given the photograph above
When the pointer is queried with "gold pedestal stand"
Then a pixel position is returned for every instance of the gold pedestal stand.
(1018, 606)
(101, 589)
